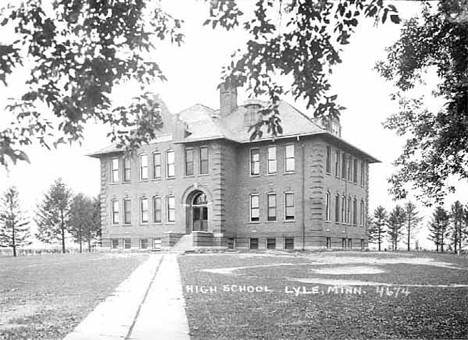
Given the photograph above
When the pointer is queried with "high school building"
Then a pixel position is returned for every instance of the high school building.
(203, 179)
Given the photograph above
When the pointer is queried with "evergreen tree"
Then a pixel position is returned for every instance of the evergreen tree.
(14, 228)
(53, 213)
(396, 221)
(378, 226)
(457, 228)
(83, 225)
(412, 222)
(438, 227)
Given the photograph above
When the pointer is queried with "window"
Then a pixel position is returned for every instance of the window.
(271, 201)
(289, 158)
(230, 243)
(343, 209)
(115, 212)
(115, 243)
(143, 167)
(171, 209)
(349, 165)
(289, 206)
(271, 243)
(127, 169)
(328, 160)
(127, 207)
(362, 215)
(348, 214)
(289, 243)
(157, 209)
(337, 163)
(272, 160)
(327, 207)
(350, 243)
(203, 160)
(127, 243)
(144, 210)
(337, 208)
(254, 208)
(156, 165)
(115, 170)
(355, 212)
(254, 243)
(329, 244)
(343, 243)
(157, 243)
(355, 172)
(343, 166)
(189, 162)
(170, 162)
(144, 243)
(362, 172)
(254, 162)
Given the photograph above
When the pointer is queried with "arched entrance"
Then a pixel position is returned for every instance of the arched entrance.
(199, 212)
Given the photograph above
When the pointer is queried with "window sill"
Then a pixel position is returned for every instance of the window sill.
(126, 225)
(171, 178)
(144, 180)
(272, 174)
(254, 175)
(203, 175)
(158, 179)
(289, 221)
(289, 173)
(253, 222)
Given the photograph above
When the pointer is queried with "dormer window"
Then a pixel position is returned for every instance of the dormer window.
(251, 115)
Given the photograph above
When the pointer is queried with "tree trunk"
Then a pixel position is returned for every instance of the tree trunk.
(13, 241)
(380, 238)
(89, 243)
(80, 237)
(409, 235)
(62, 230)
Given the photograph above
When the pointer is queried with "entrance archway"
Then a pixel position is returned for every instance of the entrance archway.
(199, 212)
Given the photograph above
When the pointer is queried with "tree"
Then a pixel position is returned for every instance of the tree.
(435, 149)
(396, 221)
(378, 226)
(438, 227)
(53, 214)
(14, 227)
(412, 221)
(457, 227)
(79, 51)
(83, 225)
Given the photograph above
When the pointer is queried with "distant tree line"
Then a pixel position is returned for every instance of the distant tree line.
(447, 229)
(60, 214)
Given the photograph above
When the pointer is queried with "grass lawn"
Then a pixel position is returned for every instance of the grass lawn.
(46, 296)
(302, 296)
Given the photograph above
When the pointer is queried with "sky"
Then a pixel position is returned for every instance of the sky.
(193, 71)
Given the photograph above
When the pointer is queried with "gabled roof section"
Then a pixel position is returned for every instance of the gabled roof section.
(202, 123)
(293, 122)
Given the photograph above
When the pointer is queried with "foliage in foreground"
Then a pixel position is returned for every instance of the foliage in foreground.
(80, 50)
(435, 149)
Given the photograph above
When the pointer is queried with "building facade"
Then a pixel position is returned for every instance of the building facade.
(205, 180)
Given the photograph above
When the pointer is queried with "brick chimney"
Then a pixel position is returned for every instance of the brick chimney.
(227, 98)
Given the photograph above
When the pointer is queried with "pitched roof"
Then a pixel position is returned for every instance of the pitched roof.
(203, 124)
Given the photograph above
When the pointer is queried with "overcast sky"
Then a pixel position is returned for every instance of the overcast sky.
(193, 72)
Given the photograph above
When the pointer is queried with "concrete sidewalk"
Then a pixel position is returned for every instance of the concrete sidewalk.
(149, 305)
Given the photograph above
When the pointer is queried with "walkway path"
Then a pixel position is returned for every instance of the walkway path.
(149, 305)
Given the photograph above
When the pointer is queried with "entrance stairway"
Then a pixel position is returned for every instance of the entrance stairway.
(185, 243)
